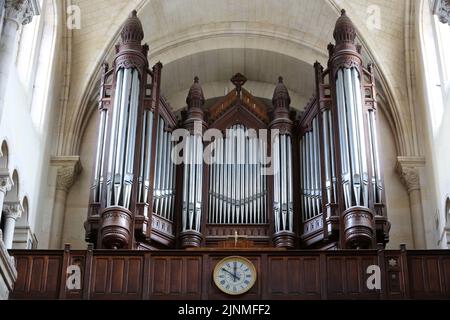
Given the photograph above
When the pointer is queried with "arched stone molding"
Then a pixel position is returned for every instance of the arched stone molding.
(79, 108)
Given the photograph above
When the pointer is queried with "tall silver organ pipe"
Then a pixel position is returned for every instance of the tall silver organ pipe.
(377, 180)
(282, 163)
(101, 149)
(310, 171)
(164, 183)
(352, 138)
(328, 142)
(146, 156)
(124, 165)
(122, 145)
(193, 176)
(283, 188)
(237, 190)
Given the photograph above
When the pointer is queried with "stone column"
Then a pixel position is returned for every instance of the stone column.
(408, 169)
(442, 10)
(5, 186)
(67, 171)
(12, 211)
(16, 14)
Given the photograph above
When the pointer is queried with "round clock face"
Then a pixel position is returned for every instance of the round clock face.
(235, 275)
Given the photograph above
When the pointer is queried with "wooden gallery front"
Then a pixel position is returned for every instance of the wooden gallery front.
(240, 198)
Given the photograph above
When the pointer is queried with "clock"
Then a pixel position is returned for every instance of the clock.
(235, 275)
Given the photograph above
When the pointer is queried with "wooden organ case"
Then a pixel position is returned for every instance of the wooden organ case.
(264, 172)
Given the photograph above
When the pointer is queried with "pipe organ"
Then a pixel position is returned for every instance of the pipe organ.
(165, 174)
(277, 177)
(238, 185)
(310, 171)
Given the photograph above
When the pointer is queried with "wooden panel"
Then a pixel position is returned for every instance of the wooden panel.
(446, 275)
(117, 277)
(76, 259)
(430, 277)
(294, 277)
(347, 277)
(38, 277)
(395, 277)
(188, 275)
(175, 277)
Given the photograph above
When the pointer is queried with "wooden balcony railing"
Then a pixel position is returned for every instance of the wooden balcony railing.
(174, 275)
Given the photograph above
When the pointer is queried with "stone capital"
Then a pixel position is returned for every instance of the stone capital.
(442, 10)
(408, 169)
(67, 171)
(21, 11)
(12, 210)
(6, 182)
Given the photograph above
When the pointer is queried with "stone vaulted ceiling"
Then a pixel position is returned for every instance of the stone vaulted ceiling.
(215, 39)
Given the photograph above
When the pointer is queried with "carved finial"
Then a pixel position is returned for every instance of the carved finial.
(132, 31)
(195, 97)
(281, 97)
(344, 31)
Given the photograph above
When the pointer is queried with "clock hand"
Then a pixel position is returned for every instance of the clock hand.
(235, 269)
(231, 274)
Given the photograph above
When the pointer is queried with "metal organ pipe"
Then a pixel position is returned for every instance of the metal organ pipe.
(122, 146)
(310, 169)
(343, 137)
(164, 183)
(277, 184)
(376, 180)
(98, 171)
(148, 154)
(238, 185)
(304, 177)
(112, 149)
(264, 180)
(228, 166)
(193, 175)
(122, 170)
(352, 138)
(283, 183)
(290, 183)
(185, 211)
(131, 139)
(122, 122)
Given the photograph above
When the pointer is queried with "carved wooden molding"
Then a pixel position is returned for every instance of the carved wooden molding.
(21, 11)
(68, 170)
(442, 10)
